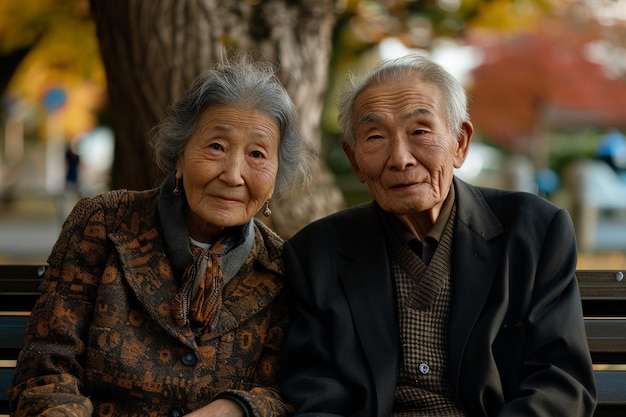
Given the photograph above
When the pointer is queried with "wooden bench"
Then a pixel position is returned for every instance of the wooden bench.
(19, 288)
(603, 296)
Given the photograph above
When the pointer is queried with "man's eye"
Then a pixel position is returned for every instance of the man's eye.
(419, 132)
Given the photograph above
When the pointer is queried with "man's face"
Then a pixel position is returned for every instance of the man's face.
(403, 149)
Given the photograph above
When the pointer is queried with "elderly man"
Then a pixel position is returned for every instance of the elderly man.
(438, 298)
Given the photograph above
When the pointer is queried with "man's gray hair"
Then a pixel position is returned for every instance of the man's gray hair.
(404, 69)
(245, 85)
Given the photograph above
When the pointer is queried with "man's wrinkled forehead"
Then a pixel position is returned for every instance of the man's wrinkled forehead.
(414, 113)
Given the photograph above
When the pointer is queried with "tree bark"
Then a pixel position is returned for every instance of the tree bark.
(153, 50)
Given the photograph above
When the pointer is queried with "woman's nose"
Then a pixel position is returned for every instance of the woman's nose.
(232, 170)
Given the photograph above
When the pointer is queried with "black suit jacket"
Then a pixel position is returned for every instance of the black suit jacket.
(516, 338)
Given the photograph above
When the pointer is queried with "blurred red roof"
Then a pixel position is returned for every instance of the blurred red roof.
(537, 80)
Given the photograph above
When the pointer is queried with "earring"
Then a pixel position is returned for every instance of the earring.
(267, 211)
(176, 190)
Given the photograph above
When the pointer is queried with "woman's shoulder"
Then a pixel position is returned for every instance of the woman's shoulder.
(113, 198)
(269, 236)
(271, 246)
(111, 206)
(122, 200)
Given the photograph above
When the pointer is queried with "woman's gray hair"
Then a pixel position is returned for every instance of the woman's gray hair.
(405, 69)
(242, 84)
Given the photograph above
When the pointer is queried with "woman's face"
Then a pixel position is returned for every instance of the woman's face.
(228, 168)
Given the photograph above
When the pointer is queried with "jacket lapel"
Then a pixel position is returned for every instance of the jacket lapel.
(369, 290)
(143, 263)
(474, 265)
(149, 275)
(243, 298)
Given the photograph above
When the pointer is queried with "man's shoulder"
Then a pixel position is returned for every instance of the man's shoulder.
(504, 199)
(514, 210)
(512, 200)
(343, 217)
(337, 224)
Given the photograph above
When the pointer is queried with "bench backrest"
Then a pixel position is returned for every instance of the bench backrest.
(603, 295)
(19, 289)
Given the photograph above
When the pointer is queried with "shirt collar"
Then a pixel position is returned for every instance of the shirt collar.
(405, 236)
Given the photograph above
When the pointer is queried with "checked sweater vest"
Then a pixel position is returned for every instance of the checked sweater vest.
(423, 293)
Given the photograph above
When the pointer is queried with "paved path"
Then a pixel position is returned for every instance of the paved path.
(29, 226)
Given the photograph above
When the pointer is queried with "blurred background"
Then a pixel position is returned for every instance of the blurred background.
(547, 81)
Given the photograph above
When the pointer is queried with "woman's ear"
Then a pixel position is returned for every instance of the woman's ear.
(179, 168)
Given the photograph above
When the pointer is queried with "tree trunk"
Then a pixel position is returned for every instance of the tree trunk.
(153, 50)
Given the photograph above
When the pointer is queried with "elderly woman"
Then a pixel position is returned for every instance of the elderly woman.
(170, 301)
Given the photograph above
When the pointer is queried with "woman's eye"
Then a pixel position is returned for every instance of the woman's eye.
(257, 154)
(419, 132)
(215, 146)
(374, 137)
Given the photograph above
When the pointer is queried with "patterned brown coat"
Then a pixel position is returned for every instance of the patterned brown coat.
(101, 337)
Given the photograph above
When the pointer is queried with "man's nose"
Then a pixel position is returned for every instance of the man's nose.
(400, 155)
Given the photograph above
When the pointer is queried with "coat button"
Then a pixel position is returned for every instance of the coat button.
(190, 358)
(176, 412)
(424, 369)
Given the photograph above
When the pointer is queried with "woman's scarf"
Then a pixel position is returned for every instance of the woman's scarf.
(201, 273)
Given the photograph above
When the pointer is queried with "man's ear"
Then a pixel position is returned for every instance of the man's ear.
(464, 139)
(349, 151)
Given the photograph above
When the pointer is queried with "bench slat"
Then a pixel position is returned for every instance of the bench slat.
(12, 331)
(19, 286)
(5, 378)
(611, 387)
(602, 285)
(11, 272)
(606, 335)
